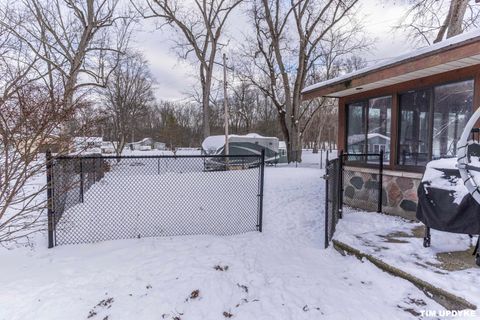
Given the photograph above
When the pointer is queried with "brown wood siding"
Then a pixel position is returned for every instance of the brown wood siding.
(342, 121)
(449, 76)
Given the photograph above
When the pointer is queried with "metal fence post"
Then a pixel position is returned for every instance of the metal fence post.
(380, 182)
(262, 177)
(50, 216)
(321, 154)
(340, 184)
(81, 180)
(326, 203)
(94, 170)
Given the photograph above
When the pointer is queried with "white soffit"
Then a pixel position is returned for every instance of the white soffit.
(457, 64)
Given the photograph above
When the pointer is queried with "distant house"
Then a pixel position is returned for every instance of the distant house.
(29, 146)
(375, 143)
(108, 147)
(87, 143)
(414, 107)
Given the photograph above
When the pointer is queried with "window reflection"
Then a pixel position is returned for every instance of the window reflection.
(368, 128)
(452, 108)
(356, 128)
(414, 118)
(379, 115)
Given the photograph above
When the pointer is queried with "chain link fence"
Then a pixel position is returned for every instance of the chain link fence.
(95, 198)
(333, 205)
(353, 182)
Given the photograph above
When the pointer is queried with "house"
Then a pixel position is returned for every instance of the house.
(375, 143)
(81, 144)
(108, 147)
(30, 146)
(413, 107)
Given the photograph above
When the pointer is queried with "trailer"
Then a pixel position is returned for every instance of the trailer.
(240, 145)
(282, 152)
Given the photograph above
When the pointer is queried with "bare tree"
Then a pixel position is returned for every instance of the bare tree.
(29, 123)
(201, 26)
(51, 52)
(30, 118)
(127, 96)
(322, 131)
(243, 107)
(431, 21)
(291, 38)
(72, 39)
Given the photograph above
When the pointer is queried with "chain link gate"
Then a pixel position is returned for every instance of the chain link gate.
(97, 198)
(350, 190)
(333, 204)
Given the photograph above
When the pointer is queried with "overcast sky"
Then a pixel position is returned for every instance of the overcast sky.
(175, 77)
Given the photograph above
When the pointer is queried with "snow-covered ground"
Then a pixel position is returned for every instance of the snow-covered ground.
(392, 240)
(282, 273)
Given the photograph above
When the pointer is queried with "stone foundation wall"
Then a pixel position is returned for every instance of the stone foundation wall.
(399, 192)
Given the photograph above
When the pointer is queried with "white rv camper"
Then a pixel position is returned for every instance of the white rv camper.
(238, 145)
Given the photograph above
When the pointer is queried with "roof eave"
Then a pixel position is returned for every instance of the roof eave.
(469, 47)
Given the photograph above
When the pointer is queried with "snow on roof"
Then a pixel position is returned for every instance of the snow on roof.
(79, 140)
(144, 140)
(216, 142)
(453, 41)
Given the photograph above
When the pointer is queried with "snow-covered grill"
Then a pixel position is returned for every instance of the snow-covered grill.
(444, 202)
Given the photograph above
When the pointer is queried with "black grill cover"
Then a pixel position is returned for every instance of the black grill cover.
(441, 207)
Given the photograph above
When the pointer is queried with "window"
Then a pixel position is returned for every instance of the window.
(414, 139)
(452, 108)
(378, 124)
(369, 126)
(356, 128)
(432, 121)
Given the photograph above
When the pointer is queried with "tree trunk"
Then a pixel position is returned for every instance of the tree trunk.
(319, 137)
(296, 144)
(444, 26)
(206, 109)
(458, 9)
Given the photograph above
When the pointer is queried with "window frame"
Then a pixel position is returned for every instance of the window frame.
(396, 161)
(431, 111)
(366, 103)
(433, 106)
